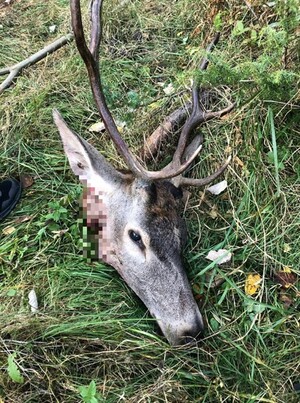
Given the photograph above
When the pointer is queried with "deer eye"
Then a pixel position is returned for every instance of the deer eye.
(136, 238)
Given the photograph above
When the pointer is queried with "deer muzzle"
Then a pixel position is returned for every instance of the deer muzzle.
(165, 290)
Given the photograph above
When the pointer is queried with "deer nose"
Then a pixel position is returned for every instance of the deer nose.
(194, 334)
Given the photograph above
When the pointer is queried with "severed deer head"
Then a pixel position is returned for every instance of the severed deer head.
(137, 219)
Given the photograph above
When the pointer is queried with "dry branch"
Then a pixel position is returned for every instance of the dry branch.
(16, 69)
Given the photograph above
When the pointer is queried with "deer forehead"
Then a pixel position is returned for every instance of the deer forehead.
(159, 219)
(145, 206)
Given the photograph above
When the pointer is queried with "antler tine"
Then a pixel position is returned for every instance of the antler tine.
(204, 181)
(90, 56)
(96, 27)
(196, 118)
(213, 43)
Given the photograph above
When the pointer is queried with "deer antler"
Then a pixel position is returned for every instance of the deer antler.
(15, 70)
(197, 117)
(178, 116)
(90, 56)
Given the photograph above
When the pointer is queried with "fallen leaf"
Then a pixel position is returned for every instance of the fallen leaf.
(287, 269)
(285, 278)
(22, 218)
(286, 248)
(8, 230)
(252, 284)
(197, 290)
(238, 162)
(121, 125)
(97, 127)
(26, 180)
(154, 105)
(169, 89)
(52, 29)
(11, 292)
(285, 299)
(214, 281)
(33, 301)
(220, 256)
(213, 213)
(13, 370)
(217, 188)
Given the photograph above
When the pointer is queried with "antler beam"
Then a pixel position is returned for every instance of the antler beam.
(90, 56)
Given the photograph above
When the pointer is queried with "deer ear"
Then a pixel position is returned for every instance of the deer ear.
(86, 162)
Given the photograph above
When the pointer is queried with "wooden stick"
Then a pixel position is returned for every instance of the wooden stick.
(14, 70)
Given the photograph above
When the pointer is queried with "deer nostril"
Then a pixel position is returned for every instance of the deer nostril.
(193, 335)
(188, 340)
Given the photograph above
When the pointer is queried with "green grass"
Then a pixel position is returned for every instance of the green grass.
(90, 326)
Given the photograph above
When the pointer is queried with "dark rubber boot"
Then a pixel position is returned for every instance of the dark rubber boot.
(10, 193)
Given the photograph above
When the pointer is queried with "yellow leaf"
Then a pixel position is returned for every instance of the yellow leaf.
(8, 230)
(287, 269)
(252, 284)
(213, 212)
(154, 105)
(97, 127)
(238, 162)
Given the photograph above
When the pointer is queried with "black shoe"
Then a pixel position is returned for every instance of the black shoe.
(10, 193)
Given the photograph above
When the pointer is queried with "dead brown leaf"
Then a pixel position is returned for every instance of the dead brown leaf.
(286, 299)
(214, 282)
(285, 279)
(26, 180)
(197, 292)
